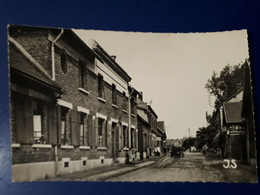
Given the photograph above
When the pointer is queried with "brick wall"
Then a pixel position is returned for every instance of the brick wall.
(70, 84)
(38, 45)
(27, 154)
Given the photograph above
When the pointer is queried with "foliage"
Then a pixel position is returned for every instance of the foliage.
(204, 136)
(187, 143)
(222, 86)
(225, 84)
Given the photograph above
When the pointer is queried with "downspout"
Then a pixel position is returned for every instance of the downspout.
(53, 78)
(52, 54)
(129, 116)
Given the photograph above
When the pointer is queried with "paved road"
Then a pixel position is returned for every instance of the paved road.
(194, 167)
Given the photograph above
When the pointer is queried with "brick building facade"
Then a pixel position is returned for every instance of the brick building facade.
(150, 135)
(70, 108)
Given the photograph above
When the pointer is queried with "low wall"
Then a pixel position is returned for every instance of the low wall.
(42, 170)
(32, 171)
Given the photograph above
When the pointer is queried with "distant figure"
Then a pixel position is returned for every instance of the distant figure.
(204, 149)
(138, 156)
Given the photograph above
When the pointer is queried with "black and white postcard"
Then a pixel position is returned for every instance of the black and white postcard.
(89, 105)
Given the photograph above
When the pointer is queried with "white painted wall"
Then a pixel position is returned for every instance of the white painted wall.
(110, 76)
(237, 98)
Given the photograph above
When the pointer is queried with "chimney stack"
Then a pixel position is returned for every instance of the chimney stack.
(113, 57)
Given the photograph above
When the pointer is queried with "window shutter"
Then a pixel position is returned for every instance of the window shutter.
(75, 127)
(96, 132)
(29, 121)
(104, 133)
(90, 131)
(24, 120)
(20, 119)
(107, 129)
(119, 130)
(59, 124)
(127, 137)
(53, 126)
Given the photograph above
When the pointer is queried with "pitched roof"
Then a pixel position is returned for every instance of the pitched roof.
(235, 97)
(160, 125)
(232, 111)
(20, 63)
(100, 51)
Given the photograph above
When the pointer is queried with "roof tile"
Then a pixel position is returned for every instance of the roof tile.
(232, 112)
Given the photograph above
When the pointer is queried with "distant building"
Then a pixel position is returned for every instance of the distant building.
(174, 143)
(161, 136)
(151, 136)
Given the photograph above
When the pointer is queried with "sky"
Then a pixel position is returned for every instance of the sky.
(172, 69)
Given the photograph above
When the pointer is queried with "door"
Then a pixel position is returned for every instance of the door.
(115, 141)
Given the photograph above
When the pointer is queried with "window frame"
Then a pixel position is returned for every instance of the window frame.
(64, 111)
(100, 86)
(83, 139)
(114, 94)
(124, 106)
(37, 107)
(82, 75)
(102, 132)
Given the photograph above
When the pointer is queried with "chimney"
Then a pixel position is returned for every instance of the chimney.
(113, 57)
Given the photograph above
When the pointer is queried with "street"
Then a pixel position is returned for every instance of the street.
(194, 167)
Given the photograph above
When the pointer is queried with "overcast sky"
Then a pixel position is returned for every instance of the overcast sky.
(171, 69)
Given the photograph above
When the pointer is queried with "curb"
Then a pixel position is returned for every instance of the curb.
(123, 172)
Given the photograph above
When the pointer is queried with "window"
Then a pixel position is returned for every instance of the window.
(30, 120)
(37, 122)
(64, 130)
(82, 75)
(83, 134)
(124, 101)
(101, 132)
(63, 62)
(100, 86)
(132, 106)
(114, 95)
(124, 136)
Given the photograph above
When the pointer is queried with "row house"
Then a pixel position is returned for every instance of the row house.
(150, 136)
(71, 105)
(235, 124)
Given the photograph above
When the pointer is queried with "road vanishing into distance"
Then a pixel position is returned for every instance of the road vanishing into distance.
(193, 167)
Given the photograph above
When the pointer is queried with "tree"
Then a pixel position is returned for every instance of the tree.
(225, 84)
(204, 136)
(187, 143)
(222, 86)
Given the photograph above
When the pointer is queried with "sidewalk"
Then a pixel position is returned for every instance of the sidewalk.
(106, 172)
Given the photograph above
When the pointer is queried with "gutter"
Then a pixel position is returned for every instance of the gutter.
(52, 54)
(53, 78)
(129, 116)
